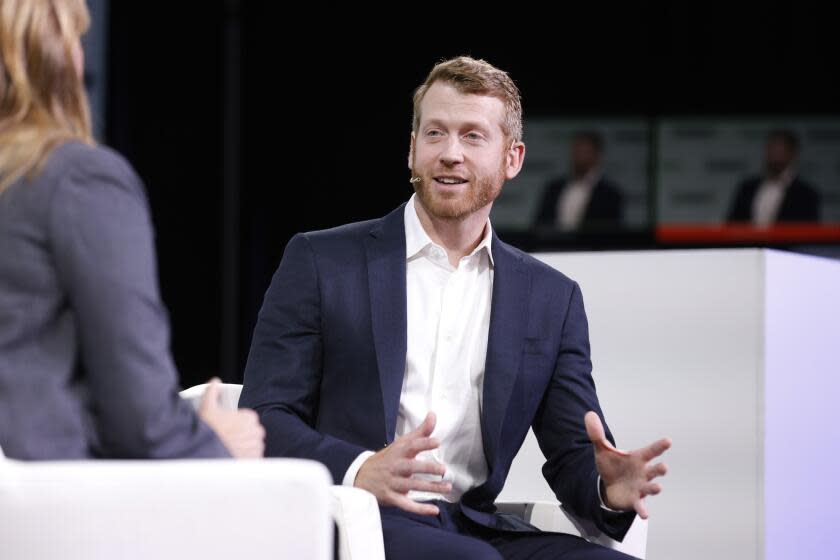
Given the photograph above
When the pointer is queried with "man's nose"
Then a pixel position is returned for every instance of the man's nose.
(452, 152)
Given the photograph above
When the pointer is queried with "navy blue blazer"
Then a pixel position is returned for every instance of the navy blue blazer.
(801, 202)
(327, 360)
(605, 208)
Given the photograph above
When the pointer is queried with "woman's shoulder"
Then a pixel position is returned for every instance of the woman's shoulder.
(81, 159)
(80, 179)
(76, 169)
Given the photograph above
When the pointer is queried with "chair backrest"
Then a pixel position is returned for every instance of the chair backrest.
(524, 486)
(199, 508)
(229, 394)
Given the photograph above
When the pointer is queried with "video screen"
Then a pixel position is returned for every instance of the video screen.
(693, 179)
(748, 179)
(579, 175)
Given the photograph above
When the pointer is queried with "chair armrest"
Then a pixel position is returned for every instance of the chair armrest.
(198, 508)
(228, 395)
(546, 516)
(356, 513)
(550, 516)
(354, 510)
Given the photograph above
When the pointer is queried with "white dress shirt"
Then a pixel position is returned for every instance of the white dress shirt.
(572, 203)
(448, 319)
(768, 198)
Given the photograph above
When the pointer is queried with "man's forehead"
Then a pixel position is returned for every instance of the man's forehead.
(444, 102)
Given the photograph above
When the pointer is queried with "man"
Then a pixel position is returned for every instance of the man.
(423, 336)
(587, 200)
(780, 195)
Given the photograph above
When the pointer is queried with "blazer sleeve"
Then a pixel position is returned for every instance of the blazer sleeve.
(740, 209)
(284, 369)
(102, 243)
(812, 205)
(547, 210)
(559, 427)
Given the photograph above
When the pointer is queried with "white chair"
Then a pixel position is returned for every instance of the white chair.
(528, 495)
(354, 510)
(549, 515)
(360, 528)
(209, 509)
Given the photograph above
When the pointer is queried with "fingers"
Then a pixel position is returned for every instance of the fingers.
(651, 489)
(210, 399)
(410, 467)
(249, 415)
(391, 478)
(639, 505)
(659, 469)
(641, 508)
(416, 446)
(247, 420)
(656, 449)
(252, 450)
(418, 440)
(411, 506)
(422, 485)
(243, 433)
(426, 428)
(252, 421)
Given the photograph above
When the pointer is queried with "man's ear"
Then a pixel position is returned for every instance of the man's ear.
(513, 160)
(411, 151)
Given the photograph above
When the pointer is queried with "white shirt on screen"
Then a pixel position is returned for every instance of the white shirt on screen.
(572, 203)
(768, 198)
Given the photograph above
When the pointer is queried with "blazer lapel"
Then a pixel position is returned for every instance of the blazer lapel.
(387, 285)
(508, 324)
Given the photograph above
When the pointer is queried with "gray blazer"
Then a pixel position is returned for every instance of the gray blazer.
(85, 368)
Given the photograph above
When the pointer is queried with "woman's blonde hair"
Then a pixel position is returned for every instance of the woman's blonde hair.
(42, 96)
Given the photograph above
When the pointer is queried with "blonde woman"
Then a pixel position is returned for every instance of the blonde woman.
(85, 369)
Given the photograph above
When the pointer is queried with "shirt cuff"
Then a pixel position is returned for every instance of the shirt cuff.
(350, 476)
(600, 497)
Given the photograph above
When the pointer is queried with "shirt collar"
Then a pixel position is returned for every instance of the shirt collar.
(787, 176)
(590, 179)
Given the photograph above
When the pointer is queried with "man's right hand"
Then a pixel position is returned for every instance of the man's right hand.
(240, 430)
(387, 474)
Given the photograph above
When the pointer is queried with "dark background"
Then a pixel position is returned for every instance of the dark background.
(249, 123)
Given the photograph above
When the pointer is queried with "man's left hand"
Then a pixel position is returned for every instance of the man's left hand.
(626, 476)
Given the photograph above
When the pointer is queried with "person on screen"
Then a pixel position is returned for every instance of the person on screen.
(779, 194)
(587, 199)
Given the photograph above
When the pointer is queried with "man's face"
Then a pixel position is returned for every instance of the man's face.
(584, 157)
(779, 155)
(460, 152)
